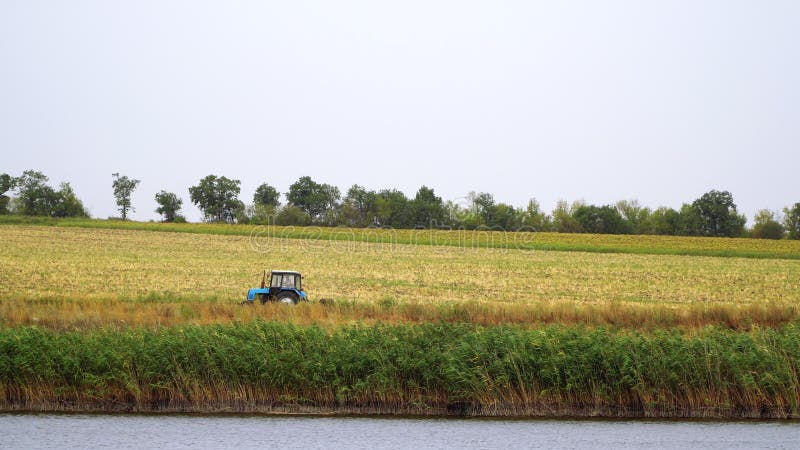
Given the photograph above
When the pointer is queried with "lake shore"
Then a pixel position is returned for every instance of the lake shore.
(235, 408)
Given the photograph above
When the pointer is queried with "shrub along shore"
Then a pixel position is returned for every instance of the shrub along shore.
(424, 369)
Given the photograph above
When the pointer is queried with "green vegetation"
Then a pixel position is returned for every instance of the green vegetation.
(792, 221)
(423, 369)
(316, 200)
(216, 198)
(267, 196)
(605, 219)
(169, 204)
(6, 184)
(714, 214)
(123, 188)
(766, 226)
(34, 197)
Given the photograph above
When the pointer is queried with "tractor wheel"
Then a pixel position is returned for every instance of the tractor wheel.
(263, 298)
(289, 298)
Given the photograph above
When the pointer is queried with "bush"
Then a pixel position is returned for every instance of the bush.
(292, 215)
(766, 227)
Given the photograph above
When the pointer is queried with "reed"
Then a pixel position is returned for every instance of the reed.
(423, 369)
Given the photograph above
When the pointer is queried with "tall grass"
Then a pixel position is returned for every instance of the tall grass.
(420, 369)
(160, 311)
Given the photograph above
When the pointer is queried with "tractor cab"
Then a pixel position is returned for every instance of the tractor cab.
(285, 286)
(285, 280)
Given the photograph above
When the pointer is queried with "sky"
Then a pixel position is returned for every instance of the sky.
(659, 101)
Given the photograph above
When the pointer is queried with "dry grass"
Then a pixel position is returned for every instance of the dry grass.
(74, 277)
(60, 314)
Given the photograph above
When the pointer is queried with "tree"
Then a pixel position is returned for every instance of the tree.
(691, 223)
(394, 209)
(563, 220)
(457, 216)
(319, 201)
(348, 216)
(428, 208)
(534, 218)
(216, 198)
(267, 195)
(305, 194)
(714, 214)
(665, 221)
(36, 198)
(766, 226)
(331, 197)
(123, 188)
(168, 205)
(604, 219)
(359, 207)
(505, 217)
(635, 215)
(67, 203)
(791, 220)
(483, 205)
(7, 183)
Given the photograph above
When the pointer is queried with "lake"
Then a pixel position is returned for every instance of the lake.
(65, 431)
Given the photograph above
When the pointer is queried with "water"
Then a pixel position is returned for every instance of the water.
(33, 431)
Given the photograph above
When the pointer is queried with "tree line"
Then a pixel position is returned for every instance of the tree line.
(311, 203)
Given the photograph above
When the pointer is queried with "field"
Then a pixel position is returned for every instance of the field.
(114, 316)
(602, 243)
(65, 277)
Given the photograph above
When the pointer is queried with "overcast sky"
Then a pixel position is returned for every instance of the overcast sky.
(600, 100)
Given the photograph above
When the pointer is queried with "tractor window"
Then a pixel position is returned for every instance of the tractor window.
(288, 281)
(285, 280)
(297, 282)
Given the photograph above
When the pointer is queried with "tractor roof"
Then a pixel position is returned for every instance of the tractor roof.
(286, 271)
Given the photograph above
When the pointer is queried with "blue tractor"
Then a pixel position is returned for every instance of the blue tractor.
(285, 287)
